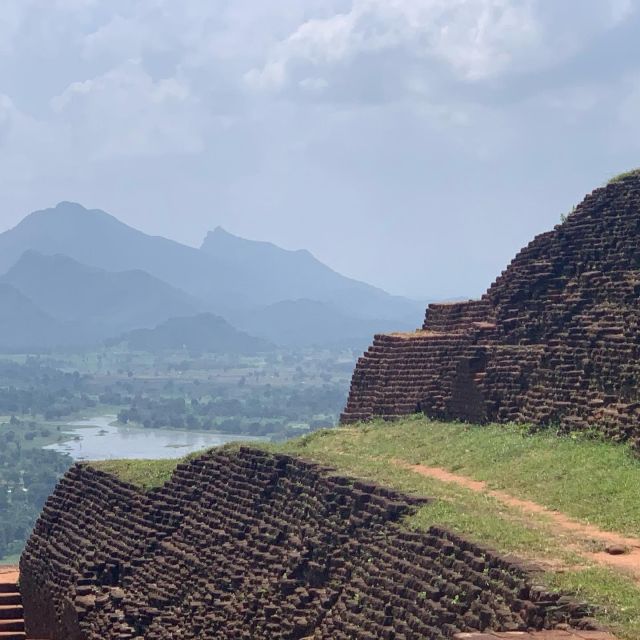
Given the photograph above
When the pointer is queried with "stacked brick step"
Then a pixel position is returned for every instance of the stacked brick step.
(12, 625)
(555, 339)
(241, 545)
(11, 612)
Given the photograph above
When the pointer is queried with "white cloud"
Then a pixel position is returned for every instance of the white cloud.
(121, 36)
(314, 85)
(125, 112)
(297, 117)
(11, 18)
(621, 9)
(28, 147)
(475, 40)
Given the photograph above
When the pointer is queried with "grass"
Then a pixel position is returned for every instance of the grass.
(590, 480)
(145, 474)
(622, 176)
(617, 597)
(593, 481)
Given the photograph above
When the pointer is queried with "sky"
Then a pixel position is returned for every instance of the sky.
(413, 144)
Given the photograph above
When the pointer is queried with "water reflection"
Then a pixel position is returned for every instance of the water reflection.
(99, 439)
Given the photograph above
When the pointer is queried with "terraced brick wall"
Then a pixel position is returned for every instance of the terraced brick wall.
(555, 340)
(247, 545)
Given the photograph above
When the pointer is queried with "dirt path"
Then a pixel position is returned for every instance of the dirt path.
(629, 561)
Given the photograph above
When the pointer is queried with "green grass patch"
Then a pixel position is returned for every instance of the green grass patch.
(591, 480)
(616, 597)
(623, 176)
(467, 512)
(145, 474)
(151, 474)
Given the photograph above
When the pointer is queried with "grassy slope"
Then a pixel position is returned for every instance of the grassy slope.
(621, 176)
(589, 480)
(146, 474)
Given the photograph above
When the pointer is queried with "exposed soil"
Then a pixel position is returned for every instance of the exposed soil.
(629, 561)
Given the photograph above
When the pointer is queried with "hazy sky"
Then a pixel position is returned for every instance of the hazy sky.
(415, 144)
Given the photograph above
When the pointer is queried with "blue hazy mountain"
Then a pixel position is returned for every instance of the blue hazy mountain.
(309, 323)
(203, 333)
(226, 273)
(275, 275)
(84, 266)
(97, 239)
(23, 324)
(104, 302)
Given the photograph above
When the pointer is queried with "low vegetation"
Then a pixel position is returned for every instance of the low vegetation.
(623, 176)
(586, 478)
(145, 474)
(32, 388)
(27, 475)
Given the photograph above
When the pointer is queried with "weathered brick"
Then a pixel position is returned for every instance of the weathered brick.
(555, 339)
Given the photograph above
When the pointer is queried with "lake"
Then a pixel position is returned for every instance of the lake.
(99, 439)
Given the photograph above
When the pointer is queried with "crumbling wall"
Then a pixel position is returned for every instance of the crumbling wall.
(556, 339)
(248, 545)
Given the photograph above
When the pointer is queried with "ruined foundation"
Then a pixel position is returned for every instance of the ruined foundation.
(247, 545)
(555, 340)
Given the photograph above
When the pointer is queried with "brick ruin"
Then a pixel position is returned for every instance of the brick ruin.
(554, 341)
(244, 545)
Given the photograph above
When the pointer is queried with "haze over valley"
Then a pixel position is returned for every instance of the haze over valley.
(118, 344)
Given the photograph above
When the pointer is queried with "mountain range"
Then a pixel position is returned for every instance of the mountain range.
(80, 276)
(106, 302)
(23, 324)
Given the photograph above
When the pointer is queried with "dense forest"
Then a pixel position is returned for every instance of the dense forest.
(37, 389)
(271, 411)
(27, 476)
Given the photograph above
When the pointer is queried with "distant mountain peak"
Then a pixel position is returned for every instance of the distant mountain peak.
(219, 234)
(33, 259)
(70, 213)
(229, 274)
(204, 332)
(220, 239)
(68, 204)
